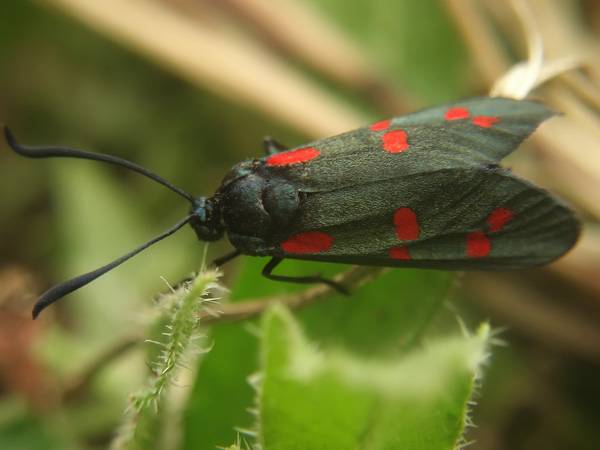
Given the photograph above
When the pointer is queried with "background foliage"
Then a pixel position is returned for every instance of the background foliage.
(67, 78)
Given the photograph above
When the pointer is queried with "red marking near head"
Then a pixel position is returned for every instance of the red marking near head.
(498, 218)
(399, 252)
(383, 125)
(478, 245)
(485, 121)
(311, 242)
(407, 227)
(457, 113)
(293, 157)
(395, 141)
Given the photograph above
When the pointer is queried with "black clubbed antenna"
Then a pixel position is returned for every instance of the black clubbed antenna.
(54, 151)
(62, 289)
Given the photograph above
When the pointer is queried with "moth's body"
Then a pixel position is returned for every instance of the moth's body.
(436, 198)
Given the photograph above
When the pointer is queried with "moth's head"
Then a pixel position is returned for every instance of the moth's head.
(206, 219)
(203, 214)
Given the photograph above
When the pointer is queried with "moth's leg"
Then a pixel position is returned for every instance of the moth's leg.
(268, 273)
(225, 258)
(272, 147)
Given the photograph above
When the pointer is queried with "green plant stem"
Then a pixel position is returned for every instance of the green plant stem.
(144, 424)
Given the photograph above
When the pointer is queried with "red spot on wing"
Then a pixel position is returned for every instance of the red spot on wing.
(293, 157)
(478, 245)
(407, 227)
(311, 242)
(499, 217)
(399, 252)
(457, 113)
(485, 121)
(383, 125)
(395, 141)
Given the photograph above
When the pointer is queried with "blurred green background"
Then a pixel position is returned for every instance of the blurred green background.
(64, 83)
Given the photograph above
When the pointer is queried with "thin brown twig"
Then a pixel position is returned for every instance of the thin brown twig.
(351, 279)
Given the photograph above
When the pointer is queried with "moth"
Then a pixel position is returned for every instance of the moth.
(421, 190)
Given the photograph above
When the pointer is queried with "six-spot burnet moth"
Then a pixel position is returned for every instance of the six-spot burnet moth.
(421, 190)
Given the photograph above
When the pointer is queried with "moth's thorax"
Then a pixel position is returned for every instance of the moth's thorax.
(254, 203)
